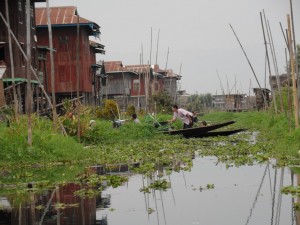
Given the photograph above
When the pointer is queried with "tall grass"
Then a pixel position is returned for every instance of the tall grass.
(48, 147)
(274, 127)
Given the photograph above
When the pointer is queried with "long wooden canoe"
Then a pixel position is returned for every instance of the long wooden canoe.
(216, 133)
(190, 132)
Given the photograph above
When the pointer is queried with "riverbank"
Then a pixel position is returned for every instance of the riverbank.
(131, 143)
(274, 127)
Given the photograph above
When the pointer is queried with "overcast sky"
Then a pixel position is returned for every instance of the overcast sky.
(198, 36)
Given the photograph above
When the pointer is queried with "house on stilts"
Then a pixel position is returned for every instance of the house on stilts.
(65, 23)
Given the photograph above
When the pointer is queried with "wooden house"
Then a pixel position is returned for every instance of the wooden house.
(283, 80)
(171, 83)
(15, 70)
(65, 23)
(230, 102)
(260, 94)
(148, 83)
(118, 82)
(132, 84)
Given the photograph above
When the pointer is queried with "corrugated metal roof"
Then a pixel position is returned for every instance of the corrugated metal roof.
(138, 68)
(99, 48)
(113, 66)
(63, 16)
(58, 15)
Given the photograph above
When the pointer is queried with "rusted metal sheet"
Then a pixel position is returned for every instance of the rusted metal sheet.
(59, 16)
(64, 32)
(17, 18)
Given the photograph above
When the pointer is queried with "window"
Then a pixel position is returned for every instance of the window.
(2, 54)
(136, 84)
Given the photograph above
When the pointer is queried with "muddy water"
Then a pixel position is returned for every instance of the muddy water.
(244, 195)
(208, 194)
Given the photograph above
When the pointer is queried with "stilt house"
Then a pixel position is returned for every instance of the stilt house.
(65, 23)
(13, 18)
(262, 97)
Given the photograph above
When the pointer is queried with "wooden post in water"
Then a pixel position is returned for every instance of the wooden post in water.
(289, 91)
(32, 70)
(78, 76)
(28, 71)
(292, 65)
(269, 66)
(295, 49)
(12, 66)
(52, 72)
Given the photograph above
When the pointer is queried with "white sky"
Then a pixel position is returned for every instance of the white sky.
(198, 36)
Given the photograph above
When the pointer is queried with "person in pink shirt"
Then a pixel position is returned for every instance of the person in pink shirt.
(185, 116)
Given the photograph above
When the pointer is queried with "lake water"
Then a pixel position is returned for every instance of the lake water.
(208, 194)
(244, 195)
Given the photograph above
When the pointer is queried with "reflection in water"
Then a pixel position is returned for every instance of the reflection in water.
(209, 193)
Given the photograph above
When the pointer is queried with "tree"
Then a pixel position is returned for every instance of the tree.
(199, 103)
(160, 102)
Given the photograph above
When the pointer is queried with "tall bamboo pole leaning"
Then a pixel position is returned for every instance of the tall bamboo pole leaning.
(52, 72)
(268, 61)
(28, 71)
(11, 57)
(77, 76)
(32, 70)
(263, 94)
(273, 54)
(292, 65)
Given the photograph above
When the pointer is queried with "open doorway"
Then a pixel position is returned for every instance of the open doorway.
(2, 54)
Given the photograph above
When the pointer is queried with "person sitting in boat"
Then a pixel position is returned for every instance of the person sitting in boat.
(185, 116)
(135, 119)
(203, 124)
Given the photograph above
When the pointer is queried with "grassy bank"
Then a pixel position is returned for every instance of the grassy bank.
(274, 127)
(130, 142)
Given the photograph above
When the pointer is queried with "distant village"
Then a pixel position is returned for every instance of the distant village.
(75, 68)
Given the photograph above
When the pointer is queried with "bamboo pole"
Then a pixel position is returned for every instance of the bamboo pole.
(11, 57)
(151, 48)
(124, 85)
(263, 94)
(32, 70)
(157, 46)
(295, 49)
(77, 76)
(289, 91)
(292, 59)
(284, 36)
(28, 72)
(273, 54)
(52, 74)
(268, 63)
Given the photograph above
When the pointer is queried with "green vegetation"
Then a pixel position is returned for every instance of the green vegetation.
(272, 127)
(199, 103)
(54, 159)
